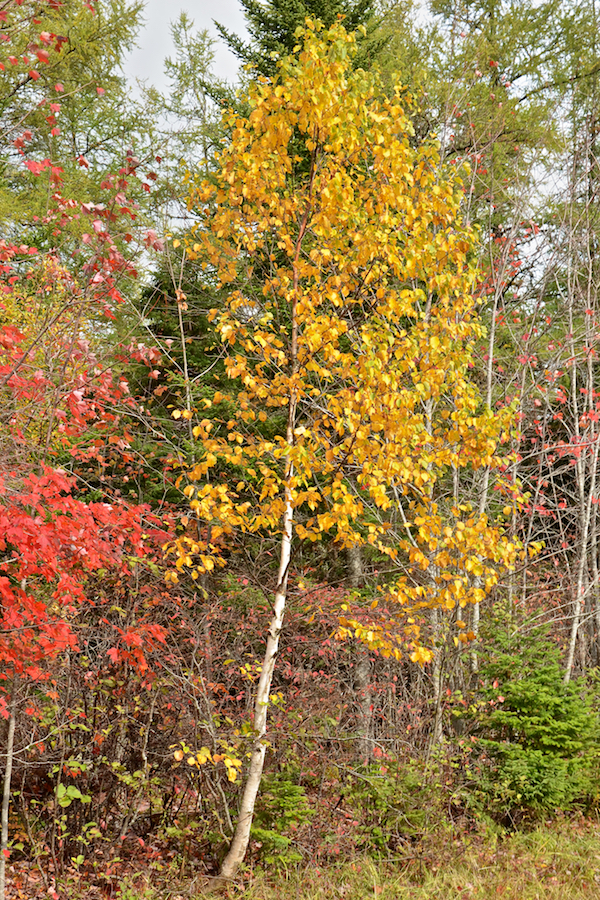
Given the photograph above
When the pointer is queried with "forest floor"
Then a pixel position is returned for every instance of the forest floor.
(557, 861)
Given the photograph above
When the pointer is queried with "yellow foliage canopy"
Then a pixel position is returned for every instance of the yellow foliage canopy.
(349, 309)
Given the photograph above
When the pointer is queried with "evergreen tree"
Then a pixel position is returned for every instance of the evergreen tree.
(68, 120)
(185, 121)
(272, 26)
(536, 736)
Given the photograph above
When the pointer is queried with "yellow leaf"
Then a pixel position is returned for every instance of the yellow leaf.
(347, 328)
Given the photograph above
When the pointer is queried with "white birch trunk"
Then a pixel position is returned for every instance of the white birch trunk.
(10, 746)
(241, 837)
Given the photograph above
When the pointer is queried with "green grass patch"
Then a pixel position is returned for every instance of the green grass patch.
(555, 861)
(558, 861)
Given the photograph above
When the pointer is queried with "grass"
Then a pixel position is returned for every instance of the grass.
(557, 861)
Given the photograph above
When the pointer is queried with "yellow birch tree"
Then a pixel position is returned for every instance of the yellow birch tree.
(349, 314)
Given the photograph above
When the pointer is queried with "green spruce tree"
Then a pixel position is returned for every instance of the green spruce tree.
(272, 26)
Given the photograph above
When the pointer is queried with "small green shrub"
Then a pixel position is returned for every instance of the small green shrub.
(536, 739)
(393, 802)
(282, 807)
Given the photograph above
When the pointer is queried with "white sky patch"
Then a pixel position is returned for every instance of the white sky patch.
(154, 40)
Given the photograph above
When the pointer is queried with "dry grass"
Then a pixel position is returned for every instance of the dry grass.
(560, 862)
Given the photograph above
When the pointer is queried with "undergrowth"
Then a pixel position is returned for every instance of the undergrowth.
(556, 860)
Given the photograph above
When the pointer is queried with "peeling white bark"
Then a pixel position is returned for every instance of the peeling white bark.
(10, 743)
(241, 838)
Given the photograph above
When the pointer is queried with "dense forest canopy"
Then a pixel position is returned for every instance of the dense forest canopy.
(299, 432)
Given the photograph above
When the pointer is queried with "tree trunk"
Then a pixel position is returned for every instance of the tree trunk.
(239, 844)
(355, 568)
(582, 580)
(10, 745)
(362, 686)
(362, 670)
(437, 676)
(241, 837)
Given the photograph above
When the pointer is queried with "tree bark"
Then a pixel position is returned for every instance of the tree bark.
(362, 670)
(437, 677)
(10, 746)
(241, 837)
(239, 844)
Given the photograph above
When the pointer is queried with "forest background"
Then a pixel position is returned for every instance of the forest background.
(299, 441)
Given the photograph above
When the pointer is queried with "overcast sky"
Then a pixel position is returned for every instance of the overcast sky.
(155, 43)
